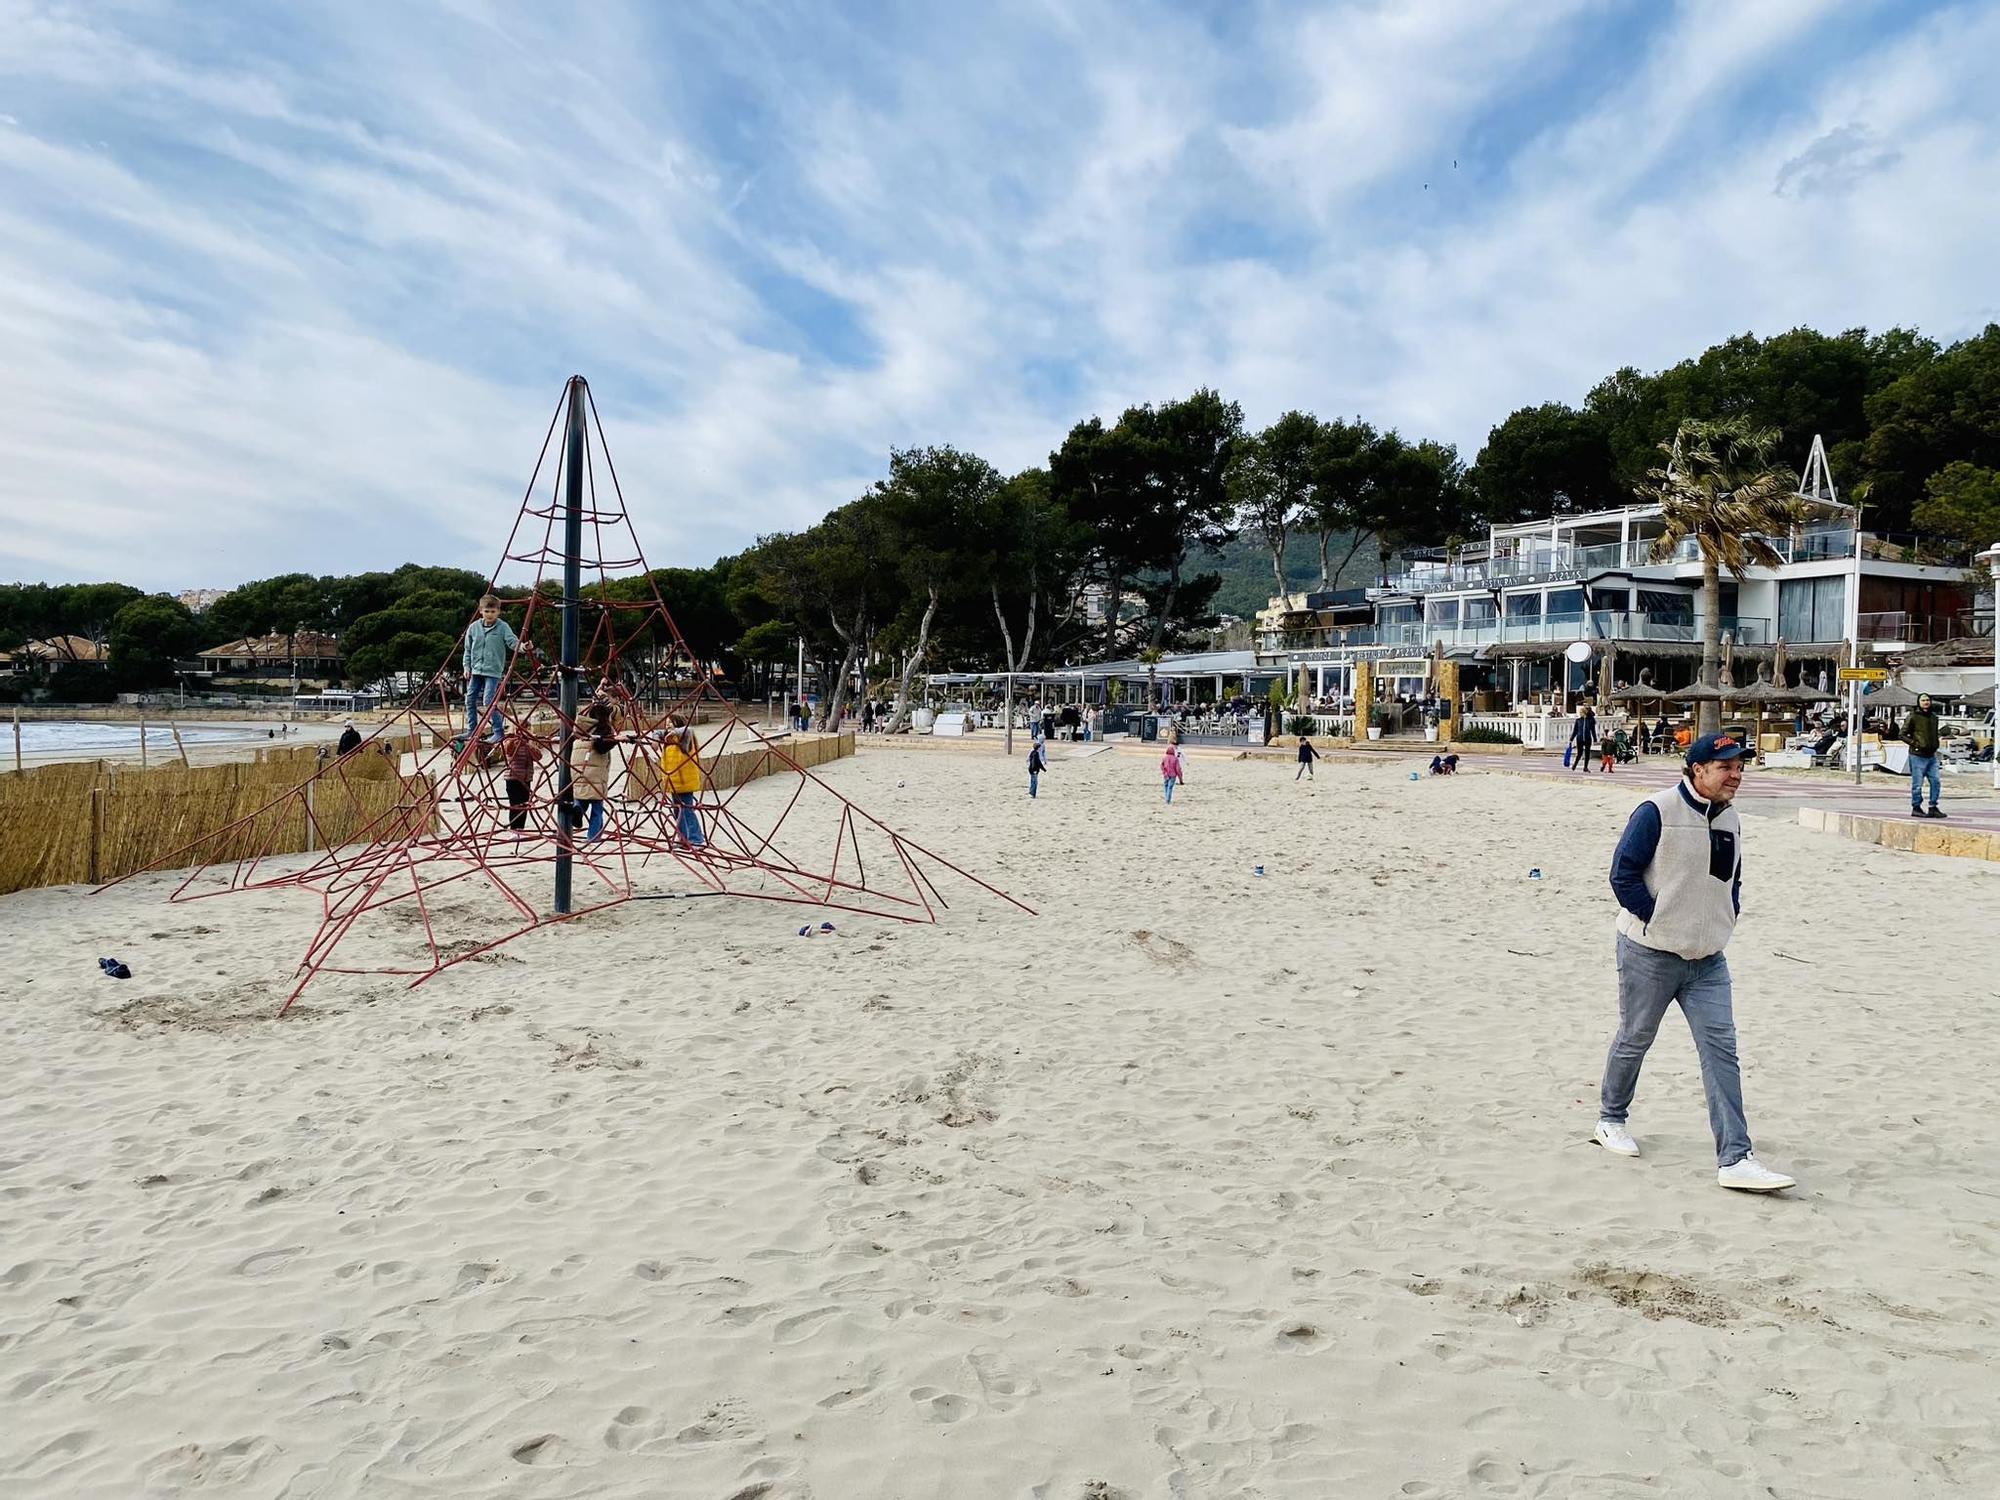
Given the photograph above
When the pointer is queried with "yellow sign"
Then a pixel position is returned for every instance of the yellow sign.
(1864, 674)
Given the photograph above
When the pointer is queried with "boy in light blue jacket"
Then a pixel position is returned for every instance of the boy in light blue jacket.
(489, 645)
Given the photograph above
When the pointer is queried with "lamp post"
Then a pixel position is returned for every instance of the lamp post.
(1991, 557)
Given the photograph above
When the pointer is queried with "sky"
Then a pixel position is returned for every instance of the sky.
(296, 288)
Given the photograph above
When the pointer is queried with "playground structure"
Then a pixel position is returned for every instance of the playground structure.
(457, 847)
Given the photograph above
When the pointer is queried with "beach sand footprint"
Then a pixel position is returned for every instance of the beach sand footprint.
(264, 1262)
(942, 1407)
(1002, 1387)
(1168, 952)
(546, 1449)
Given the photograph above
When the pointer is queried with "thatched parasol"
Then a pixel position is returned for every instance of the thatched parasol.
(1783, 692)
(1641, 691)
(1606, 665)
(1895, 695)
(1760, 692)
(1981, 699)
(1699, 692)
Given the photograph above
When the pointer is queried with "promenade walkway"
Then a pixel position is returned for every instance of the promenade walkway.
(1969, 801)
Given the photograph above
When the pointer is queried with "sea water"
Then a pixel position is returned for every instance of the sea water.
(84, 740)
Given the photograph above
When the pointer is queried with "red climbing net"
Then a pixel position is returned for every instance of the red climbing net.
(430, 844)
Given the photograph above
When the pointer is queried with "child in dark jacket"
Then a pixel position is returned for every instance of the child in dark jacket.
(521, 751)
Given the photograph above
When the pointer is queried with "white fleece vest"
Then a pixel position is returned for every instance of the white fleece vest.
(1691, 878)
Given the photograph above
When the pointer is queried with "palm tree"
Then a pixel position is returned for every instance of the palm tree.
(1152, 656)
(1720, 489)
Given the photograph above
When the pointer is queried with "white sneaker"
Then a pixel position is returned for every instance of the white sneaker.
(1614, 1137)
(1752, 1176)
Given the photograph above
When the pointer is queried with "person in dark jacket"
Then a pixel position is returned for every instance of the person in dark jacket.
(350, 740)
(1307, 755)
(1678, 877)
(1583, 739)
(1038, 762)
(1920, 733)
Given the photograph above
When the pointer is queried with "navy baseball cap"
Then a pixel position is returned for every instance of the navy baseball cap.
(1716, 747)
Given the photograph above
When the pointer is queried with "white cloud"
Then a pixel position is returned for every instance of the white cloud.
(311, 308)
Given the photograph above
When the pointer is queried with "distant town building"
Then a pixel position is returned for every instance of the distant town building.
(197, 601)
(280, 655)
(59, 651)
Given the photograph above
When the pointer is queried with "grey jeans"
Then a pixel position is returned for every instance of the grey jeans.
(1648, 982)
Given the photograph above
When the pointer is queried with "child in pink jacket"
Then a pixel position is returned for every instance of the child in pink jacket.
(1171, 769)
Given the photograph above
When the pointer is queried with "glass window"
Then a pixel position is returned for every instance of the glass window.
(1397, 614)
(1812, 609)
(1480, 611)
(1524, 606)
(1441, 612)
(1668, 609)
(1565, 602)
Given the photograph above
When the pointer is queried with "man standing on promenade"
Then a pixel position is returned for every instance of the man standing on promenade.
(1920, 733)
(1678, 876)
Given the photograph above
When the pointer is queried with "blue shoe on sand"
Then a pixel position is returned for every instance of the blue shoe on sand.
(114, 969)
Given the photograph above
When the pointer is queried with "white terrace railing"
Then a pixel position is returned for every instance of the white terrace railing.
(1540, 731)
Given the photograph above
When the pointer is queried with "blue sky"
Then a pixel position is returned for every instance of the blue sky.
(297, 287)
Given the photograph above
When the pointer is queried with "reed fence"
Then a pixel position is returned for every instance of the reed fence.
(86, 822)
(89, 822)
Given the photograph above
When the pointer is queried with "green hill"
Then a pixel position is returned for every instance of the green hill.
(1245, 567)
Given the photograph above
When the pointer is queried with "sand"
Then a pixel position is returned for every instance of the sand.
(1198, 1184)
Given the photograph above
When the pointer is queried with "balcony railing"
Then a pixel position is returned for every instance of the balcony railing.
(1814, 544)
(1597, 625)
(1917, 629)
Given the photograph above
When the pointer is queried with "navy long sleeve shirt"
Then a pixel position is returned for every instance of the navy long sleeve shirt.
(1636, 848)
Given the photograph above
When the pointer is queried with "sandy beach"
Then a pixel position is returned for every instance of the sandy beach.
(1199, 1183)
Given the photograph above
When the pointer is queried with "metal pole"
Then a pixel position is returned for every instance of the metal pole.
(1010, 713)
(1991, 557)
(802, 680)
(571, 632)
(1854, 659)
(17, 737)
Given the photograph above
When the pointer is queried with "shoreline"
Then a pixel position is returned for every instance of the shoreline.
(160, 747)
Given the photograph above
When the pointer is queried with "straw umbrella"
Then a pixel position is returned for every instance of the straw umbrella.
(1641, 691)
(1981, 699)
(1606, 666)
(1895, 695)
(1698, 692)
(1761, 694)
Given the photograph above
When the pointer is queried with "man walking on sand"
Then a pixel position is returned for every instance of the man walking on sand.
(1678, 876)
